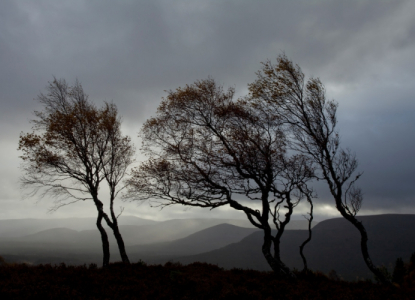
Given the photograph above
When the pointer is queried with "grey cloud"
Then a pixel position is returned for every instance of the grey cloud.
(131, 51)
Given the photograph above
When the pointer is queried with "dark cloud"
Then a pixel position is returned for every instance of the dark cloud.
(131, 51)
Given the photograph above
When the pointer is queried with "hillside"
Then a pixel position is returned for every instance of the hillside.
(12, 228)
(78, 247)
(211, 238)
(335, 246)
(174, 281)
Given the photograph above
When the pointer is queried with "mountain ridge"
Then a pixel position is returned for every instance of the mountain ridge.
(335, 245)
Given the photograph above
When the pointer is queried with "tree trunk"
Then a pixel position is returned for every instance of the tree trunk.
(120, 243)
(365, 251)
(279, 268)
(104, 239)
(115, 230)
(363, 244)
(305, 268)
(285, 271)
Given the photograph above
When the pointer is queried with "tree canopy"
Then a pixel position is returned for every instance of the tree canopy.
(310, 121)
(257, 154)
(74, 147)
(207, 150)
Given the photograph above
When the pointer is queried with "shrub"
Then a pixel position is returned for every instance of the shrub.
(399, 271)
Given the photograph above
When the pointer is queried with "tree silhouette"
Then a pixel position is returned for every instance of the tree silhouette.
(311, 130)
(73, 148)
(308, 194)
(206, 150)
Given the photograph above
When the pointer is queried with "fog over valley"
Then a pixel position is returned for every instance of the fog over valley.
(226, 243)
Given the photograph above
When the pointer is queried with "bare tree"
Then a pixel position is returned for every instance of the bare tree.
(206, 150)
(73, 148)
(311, 121)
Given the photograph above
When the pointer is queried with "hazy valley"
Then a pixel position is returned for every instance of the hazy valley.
(227, 243)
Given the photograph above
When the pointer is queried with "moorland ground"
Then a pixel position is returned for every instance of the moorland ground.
(176, 281)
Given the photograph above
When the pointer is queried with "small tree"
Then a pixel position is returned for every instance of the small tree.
(206, 150)
(73, 148)
(311, 128)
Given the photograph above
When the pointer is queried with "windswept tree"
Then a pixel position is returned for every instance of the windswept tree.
(310, 124)
(73, 149)
(207, 150)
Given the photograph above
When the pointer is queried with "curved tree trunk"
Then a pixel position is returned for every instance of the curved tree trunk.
(305, 268)
(120, 243)
(336, 190)
(284, 270)
(104, 239)
(363, 243)
(115, 230)
(117, 233)
(274, 261)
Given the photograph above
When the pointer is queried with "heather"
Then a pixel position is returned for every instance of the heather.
(176, 281)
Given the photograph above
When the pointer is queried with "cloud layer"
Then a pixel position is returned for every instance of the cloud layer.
(130, 52)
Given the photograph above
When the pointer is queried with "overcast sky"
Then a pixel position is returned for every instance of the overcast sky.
(130, 52)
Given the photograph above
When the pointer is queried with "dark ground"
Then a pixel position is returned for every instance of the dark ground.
(175, 281)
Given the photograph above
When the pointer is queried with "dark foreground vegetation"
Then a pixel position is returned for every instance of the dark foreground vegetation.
(175, 281)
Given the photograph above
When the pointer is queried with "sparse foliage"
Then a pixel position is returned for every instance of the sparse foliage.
(73, 148)
(310, 125)
(207, 150)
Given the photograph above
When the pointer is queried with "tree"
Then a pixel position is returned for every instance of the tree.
(206, 150)
(310, 124)
(73, 148)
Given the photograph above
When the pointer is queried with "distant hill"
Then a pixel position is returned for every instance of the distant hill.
(55, 235)
(214, 236)
(21, 227)
(335, 246)
(134, 230)
(208, 239)
(75, 247)
(172, 230)
(66, 242)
